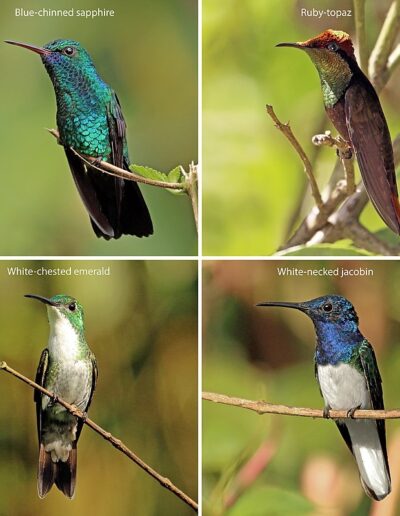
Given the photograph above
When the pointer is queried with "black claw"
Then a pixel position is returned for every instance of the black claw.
(350, 412)
(326, 412)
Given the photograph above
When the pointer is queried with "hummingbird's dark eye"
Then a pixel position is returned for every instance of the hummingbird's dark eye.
(333, 46)
(69, 51)
(72, 307)
(327, 307)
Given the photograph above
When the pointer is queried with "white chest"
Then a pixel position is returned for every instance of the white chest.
(63, 340)
(343, 387)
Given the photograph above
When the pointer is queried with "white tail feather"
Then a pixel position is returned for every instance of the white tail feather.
(369, 456)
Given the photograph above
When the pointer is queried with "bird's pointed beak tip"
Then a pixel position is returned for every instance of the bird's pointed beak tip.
(294, 45)
(33, 48)
(284, 304)
(42, 299)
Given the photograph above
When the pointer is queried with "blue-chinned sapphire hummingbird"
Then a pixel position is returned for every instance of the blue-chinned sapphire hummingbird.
(90, 120)
(348, 377)
(67, 368)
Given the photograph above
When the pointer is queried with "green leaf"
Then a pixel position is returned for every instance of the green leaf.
(175, 175)
(149, 173)
(340, 248)
(263, 500)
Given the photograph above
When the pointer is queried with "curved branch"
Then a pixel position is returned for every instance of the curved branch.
(286, 130)
(261, 407)
(112, 170)
(163, 481)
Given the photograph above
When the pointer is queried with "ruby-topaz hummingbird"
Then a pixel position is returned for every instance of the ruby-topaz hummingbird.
(90, 120)
(68, 369)
(348, 377)
(353, 107)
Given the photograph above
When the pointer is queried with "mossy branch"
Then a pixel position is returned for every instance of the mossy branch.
(261, 407)
(117, 443)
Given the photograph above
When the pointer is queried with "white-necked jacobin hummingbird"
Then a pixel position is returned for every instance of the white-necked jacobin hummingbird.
(68, 369)
(348, 377)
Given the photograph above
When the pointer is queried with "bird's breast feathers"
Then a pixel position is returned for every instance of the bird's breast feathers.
(343, 387)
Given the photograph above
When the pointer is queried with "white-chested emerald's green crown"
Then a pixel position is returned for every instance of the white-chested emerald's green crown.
(332, 53)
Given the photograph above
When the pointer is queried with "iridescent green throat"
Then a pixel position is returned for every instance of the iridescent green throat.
(334, 72)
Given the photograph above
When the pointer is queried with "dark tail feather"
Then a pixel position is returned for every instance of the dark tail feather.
(116, 207)
(135, 217)
(66, 474)
(46, 472)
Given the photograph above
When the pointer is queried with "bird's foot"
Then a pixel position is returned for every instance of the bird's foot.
(325, 413)
(84, 417)
(344, 153)
(350, 413)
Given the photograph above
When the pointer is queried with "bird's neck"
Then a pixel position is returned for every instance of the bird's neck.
(336, 342)
(335, 74)
(65, 341)
(75, 89)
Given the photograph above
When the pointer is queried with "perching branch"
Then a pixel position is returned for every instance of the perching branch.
(345, 155)
(112, 170)
(189, 185)
(163, 481)
(261, 407)
(337, 218)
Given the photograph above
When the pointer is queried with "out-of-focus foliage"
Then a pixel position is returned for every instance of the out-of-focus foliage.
(141, 323)
(148, 53)
(253, 182)
(295, 465)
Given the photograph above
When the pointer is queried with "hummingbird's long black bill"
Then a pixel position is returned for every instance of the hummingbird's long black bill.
(294, 45)
(296, 306)
(45, 300)
(37, 50)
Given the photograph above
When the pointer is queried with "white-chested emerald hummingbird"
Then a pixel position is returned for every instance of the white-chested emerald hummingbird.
(348, 377)
(68, 369)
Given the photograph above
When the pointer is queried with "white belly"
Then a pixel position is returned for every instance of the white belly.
(343, 387)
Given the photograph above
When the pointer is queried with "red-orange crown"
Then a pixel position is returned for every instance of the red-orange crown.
(331, 36)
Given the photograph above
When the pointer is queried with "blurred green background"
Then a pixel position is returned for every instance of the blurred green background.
(148, 53)
(253, 182)
(282, 465)
(141, 323)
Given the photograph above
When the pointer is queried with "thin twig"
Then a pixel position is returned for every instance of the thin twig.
(288, 133)
(378, 62)
(163, 481)
(393, 60)
(359, 15)
(192, 190)
(261, 407)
